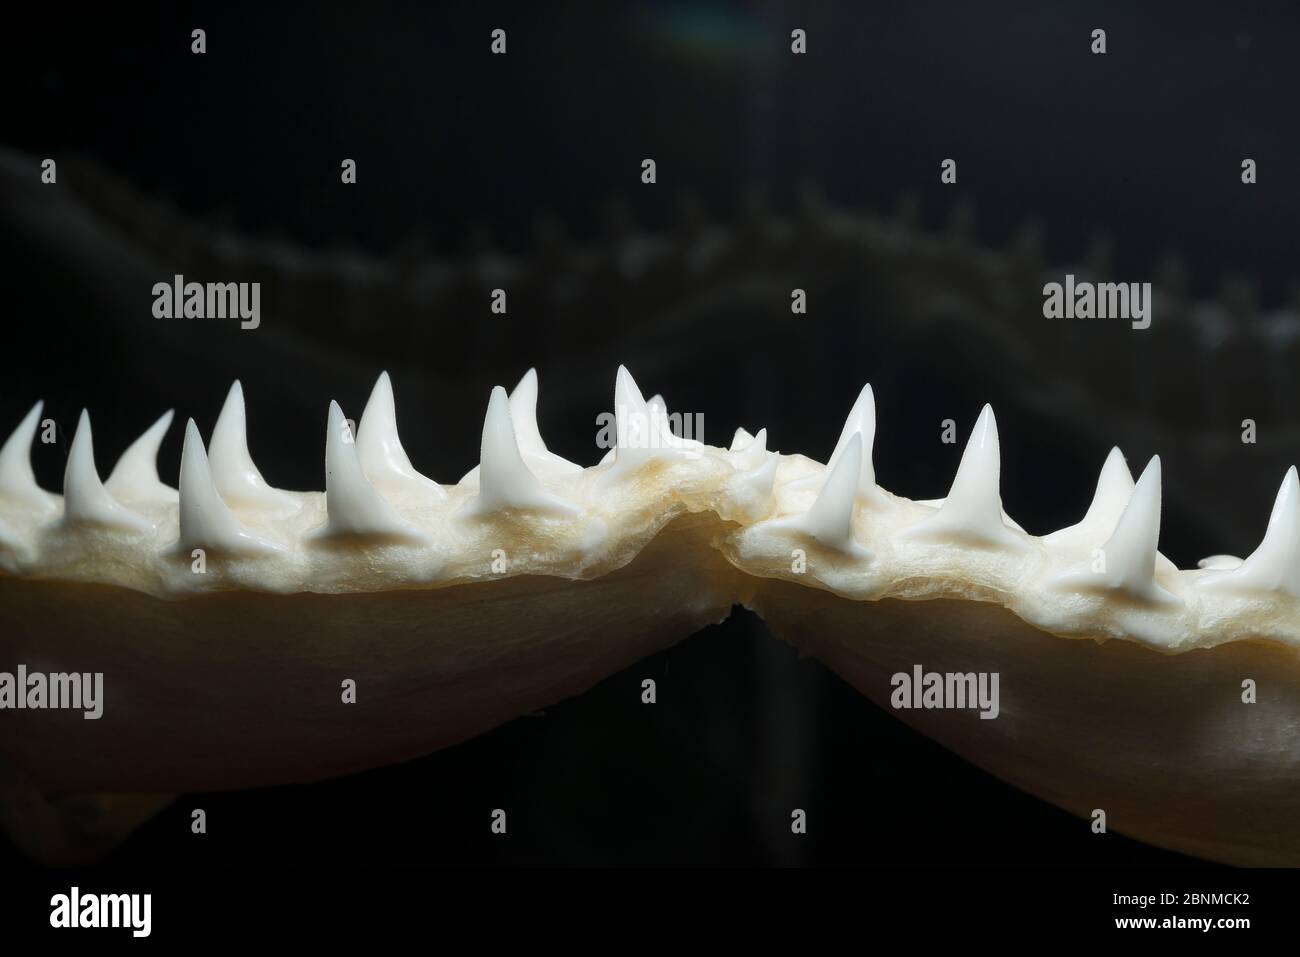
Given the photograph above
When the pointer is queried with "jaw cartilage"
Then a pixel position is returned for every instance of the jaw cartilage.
(532, 578)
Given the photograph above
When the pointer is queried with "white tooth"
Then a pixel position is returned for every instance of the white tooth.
(1219, 563)
(754, 454)
(1275, 564)
(861, 420)
(759, 483)
(741, 439)
(1130, 554)
(643, 429)
(1114, 489)
(206, 521)
(17, 481)
(135, 477)
(237, 479)
(632, 423)
(353, 506)
(657, 404)
(504, 480)
(85, 500)
(383, 460)
(523, 414)
(972, 512)
(830, 520)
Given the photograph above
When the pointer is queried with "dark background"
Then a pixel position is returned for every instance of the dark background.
(524, 171)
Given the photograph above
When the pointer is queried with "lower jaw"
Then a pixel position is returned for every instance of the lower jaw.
(237, 689)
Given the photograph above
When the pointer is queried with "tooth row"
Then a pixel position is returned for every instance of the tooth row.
(1121, 526)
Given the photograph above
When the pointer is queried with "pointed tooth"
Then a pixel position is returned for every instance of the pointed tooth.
(523, 414)
(85, 500)
(632, 423)
(383, 460)
(1130, 553)
(505, 482)
(643, 430)
(1114, 489)
(206, 521)
(1275, 564)
(861, 420)
(972, 512)
(754, 454)
(830, 520)
(237, 479)
(135, 477)
(17, 481)
(741, 439)
(353, 506)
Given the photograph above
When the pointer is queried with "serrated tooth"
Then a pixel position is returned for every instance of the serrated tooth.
(85, 500)
(523, 414)
(17, 481)
(505, 482)
(383, 460)
(236, 478)
(135, 477)
(861, 420)
(206, 521)
(754, 454)
(1275, 564)
(1114, 489)
(1130, 554)
(830, 520)
(972, 512)
(353, 506)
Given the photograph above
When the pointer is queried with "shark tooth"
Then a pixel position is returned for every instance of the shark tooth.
(1275, 564)
(383, 460)
(505, 481)
(741, 439)
(206, 521)
(354, 507)
(523, 413)
(1114, 489)
(1130, 554)
(753, 454)
(135, 477)
(17, 481)
(830, 520)
(85, 500)
(642, 429)
(236, 478)
(861, 420)
(972, 512)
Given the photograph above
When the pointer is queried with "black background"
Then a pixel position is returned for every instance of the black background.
(459, 152)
